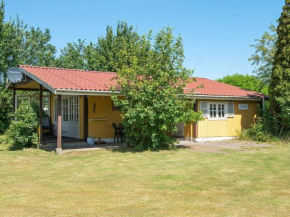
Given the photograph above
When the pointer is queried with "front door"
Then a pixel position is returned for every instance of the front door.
(70, 116)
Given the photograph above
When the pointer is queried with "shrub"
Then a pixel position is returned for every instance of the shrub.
(256, 132)
(22, 130)
(5, 109)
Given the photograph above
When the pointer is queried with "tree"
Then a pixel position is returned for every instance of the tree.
(36, 48)
(247, 82)
(115, 49)
(5, 109)
(104, 55)
(72, 56)
(263, 58)
(152, 90)
(20, 45)
(280, 77)
(11, 34)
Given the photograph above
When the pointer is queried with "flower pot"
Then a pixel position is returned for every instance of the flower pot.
(91, 140)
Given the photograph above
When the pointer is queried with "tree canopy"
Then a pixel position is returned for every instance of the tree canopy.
(22, 45)
(247, 82)
(263, 58)
(104, 55)
(280, 77)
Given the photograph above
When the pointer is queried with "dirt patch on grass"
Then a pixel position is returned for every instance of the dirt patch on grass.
(222, 146)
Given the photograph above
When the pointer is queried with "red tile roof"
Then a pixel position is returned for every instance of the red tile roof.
(215, 88)
(73, 79)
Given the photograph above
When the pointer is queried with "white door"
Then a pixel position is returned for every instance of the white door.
(180, 130)
(70, 116)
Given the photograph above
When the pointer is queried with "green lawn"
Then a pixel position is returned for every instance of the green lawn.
(164, 183)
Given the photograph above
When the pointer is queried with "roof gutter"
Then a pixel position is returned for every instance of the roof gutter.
(83, 92)
(109, 93)
(212, 97)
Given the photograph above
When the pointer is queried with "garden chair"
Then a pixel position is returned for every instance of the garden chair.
(122, 132)
(46, 125)
(118, 133)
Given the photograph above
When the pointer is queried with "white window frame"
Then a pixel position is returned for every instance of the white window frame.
(216, 104)
(75, 107)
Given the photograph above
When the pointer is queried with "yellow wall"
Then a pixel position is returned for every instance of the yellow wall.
(189, 130)
(231, 126)
(81, 114)
(103, 110)
(206, 128)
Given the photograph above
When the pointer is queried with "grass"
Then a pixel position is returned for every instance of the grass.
(163, 183)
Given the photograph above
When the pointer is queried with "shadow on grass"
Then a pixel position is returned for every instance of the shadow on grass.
(14, 147)
(182, 147)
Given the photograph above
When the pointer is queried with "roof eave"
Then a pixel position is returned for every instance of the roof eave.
(38, 80)
(214, 97)
(84, 92)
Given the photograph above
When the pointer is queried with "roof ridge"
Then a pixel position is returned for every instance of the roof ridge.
(57, 68)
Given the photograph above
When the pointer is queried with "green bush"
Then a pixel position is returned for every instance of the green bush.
(22, 130)
(257, 133)
(5, 109)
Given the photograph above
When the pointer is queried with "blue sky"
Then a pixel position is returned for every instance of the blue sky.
(216, 33)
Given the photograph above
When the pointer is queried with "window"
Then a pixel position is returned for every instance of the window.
(65, 109)
(70, 109)
(217, 110)
(74, 109)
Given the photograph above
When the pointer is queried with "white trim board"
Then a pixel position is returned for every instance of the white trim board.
(213, 139)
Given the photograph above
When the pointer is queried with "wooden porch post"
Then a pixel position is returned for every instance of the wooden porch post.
(59, 117)
(14, 99)
(40, 116)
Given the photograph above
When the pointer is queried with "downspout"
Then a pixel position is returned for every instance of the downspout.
(263, 104)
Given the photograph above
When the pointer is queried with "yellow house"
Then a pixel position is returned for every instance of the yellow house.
(80, 106)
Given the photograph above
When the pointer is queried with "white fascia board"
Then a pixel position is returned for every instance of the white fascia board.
(38, 80)
(210, 97)
(83, 92)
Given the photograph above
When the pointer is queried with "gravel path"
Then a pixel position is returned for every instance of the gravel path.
(221, 146)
